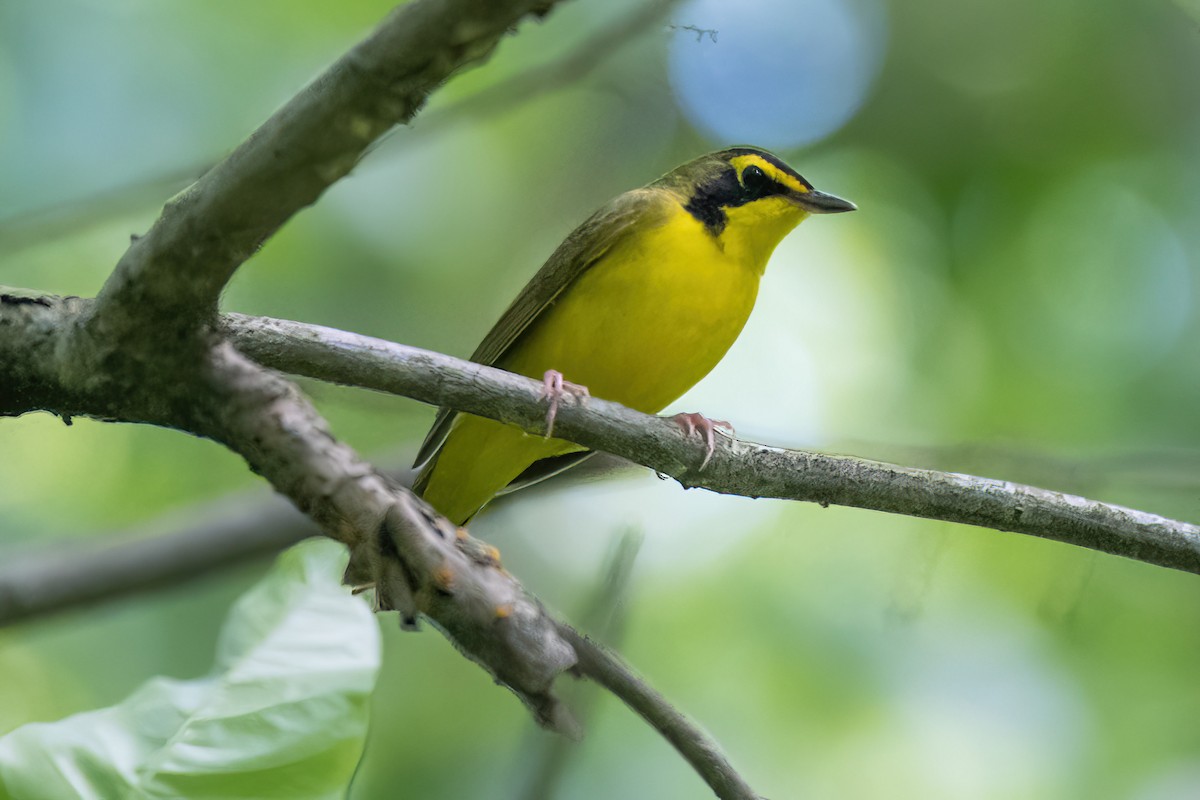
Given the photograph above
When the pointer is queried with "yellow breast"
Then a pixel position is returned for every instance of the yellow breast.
(648, 321)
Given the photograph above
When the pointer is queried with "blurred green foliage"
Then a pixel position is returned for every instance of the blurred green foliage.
(1015, 298)
(282, 714)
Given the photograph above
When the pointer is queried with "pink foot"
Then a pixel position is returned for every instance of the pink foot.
(690, 423)
(554, 388)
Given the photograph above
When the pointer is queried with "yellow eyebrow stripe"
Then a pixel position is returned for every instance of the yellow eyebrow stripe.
(773, 172)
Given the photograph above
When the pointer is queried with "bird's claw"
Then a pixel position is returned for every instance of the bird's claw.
(692, 422)
(554, 388)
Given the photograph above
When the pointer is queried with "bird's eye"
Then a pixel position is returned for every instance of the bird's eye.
(755, 181)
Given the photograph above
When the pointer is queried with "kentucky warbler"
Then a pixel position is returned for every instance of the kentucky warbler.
(638, 304)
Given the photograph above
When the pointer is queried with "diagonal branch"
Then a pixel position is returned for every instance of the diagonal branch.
(42, 224)
(171, 277)
(546, 757)
(75, 574)
(742, 468)
(605, 668)
(417, 562)
(511, 93)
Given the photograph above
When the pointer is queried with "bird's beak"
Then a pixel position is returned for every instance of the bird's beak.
(815, 202)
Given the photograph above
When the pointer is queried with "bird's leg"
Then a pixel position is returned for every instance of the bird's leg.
(554, 388)
(690, 423)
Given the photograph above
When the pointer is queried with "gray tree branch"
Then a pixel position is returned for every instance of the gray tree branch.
(575, 65)
(416, 561)
(742, 468)
(174, 274)
(76, 574)
(698, 748)
(545, 758)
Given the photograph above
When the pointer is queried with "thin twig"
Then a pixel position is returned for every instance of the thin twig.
(603, 616)
(741, 468)
(77, 574)
(73, 216)
(510, 94)
(697, 747)
(42, 224)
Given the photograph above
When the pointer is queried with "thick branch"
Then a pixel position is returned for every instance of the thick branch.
(416, 561)
(741, 468)
(31, 327)
(174, 273)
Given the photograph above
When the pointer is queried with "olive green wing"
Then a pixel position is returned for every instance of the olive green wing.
(627, 214)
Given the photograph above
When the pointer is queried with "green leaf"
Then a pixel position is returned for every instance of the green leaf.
(283, 713)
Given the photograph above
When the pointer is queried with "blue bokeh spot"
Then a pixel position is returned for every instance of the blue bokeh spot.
(779, 73)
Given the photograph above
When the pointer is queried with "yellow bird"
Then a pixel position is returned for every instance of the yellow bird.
(638, 304)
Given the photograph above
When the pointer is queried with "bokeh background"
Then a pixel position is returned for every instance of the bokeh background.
(1017, 297)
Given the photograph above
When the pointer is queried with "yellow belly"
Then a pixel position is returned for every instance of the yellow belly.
(640, 327)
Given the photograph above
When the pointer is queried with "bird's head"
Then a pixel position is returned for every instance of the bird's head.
(748, 199)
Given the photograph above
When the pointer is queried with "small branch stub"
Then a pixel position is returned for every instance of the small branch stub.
(423, 564)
